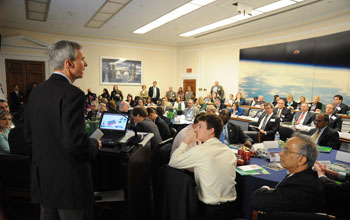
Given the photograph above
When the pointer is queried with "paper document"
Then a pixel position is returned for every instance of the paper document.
(97, 134)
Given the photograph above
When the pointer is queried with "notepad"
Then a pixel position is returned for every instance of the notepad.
(324, 149)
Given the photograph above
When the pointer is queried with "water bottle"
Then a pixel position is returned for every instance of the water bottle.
(277, 138)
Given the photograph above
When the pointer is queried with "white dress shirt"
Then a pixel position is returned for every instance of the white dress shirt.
(214, 169)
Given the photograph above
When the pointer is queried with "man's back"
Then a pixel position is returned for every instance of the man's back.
(54, 123)
(148, 125)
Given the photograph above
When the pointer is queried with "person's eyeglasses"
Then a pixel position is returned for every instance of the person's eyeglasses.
(286, 151)
(317, 120)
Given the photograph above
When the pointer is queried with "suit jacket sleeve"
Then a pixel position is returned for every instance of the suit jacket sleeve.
(274, 127)
(243, 137)
(333, 139)
(75, 140)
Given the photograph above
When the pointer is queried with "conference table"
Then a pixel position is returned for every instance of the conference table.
(246, 185)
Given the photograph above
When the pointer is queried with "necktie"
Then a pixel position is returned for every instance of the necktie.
(279, 112)
(314, 138)
(264, 123)
(300, 118)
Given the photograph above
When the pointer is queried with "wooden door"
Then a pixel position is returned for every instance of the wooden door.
(23, 73)
(189, 82)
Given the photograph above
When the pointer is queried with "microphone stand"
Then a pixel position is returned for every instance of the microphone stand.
(137, 138)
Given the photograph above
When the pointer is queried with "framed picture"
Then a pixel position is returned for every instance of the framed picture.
(120, 71)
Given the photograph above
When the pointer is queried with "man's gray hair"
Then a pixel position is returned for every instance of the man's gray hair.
(61, 51)
(308, 148)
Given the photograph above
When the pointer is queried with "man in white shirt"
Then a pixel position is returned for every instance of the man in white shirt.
(214, 166)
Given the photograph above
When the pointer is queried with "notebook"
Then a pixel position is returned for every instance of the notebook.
(113, 125)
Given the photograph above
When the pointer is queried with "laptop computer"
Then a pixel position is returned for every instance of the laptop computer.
(114, 126)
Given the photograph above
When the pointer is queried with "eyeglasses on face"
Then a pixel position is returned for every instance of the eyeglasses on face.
(286, 152)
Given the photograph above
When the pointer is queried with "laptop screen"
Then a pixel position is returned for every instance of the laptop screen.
(112, 121)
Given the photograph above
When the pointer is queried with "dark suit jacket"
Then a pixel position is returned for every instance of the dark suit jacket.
(15, 100)
(329, 138)
(55, 125)
(301, 192)
(236, 134)
(294, 104)
(286, 115)
(220, 91)
(336, 194)
(335, 122)
(148, 125)
(272, 126)
(309, 118)
(17, 143)
(341, 109)
(318, 106)
(163, 128)
(150, 92)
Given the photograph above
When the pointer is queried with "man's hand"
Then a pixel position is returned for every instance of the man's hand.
(248, 144)
(191, 137)
(320, 168)
(99, 144)
(262, 131)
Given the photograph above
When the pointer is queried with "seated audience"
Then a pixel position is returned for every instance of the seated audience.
(232, 134)
(300, 190)
(105, 94)
(260, 112)
(130, 100)
(112, 106)
(163, 127)
(304, 117)
(214, 167)
(210, 109)
(214, 96)
(144, 93)
(188, 94)
(267, 124)
(255, 101)
(230, 100)
(219, 90)
(208, 99)
(144, 124)
(116, 91)
(161, 113)
(236, 110)
(336, 193)
(301, 101)
(179, 105)
(180, 137)
(171, 95)
(260, 101)
(239, 98)
(291, 104)
(275, 100)
(340, 107)
(323, 135)
(282, 112)
(181, 93)
(191, 111)
(90, 95)
(335, 121)
(149, 102)
(218, 105)
(316, 105)
(94, 110)
(165, 104)
(201, 105)
(124, 106)
(4, 106)
(139, 102)
(5, 123)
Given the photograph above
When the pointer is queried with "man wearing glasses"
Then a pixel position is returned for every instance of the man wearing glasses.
(323, 135)
(300, 190)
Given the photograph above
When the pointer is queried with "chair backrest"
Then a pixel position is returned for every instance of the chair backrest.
(248, 102)
(285, 132)
(253, 112)
(253, 135)
(15, 170)
(245, 111)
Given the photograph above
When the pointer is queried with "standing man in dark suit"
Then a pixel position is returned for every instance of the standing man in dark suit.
(300, 190)
(54, 124)
(268, 123)
(340, 107)
(218, 89)
(154, 92)
(304, 117)
(335, 121)
(324, 135)
(17, 98)
(283, 112)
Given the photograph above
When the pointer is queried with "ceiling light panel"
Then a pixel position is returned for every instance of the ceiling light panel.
(37, 10)
(37, 6)
(106, 12)
(275, 6)
(174, 14)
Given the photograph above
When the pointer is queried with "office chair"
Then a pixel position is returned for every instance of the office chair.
(254, 135)
(285, 132)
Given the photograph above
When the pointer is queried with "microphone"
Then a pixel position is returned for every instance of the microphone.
(137, 138)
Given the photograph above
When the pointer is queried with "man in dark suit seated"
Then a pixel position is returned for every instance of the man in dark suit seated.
(260, 112)
(304, 117)
(300, 190)
(340, 107)
(233, 134)
(335, 121)
(323, 135)
(163, 127)
(218, 105)
(267, 124)
(283, 112)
